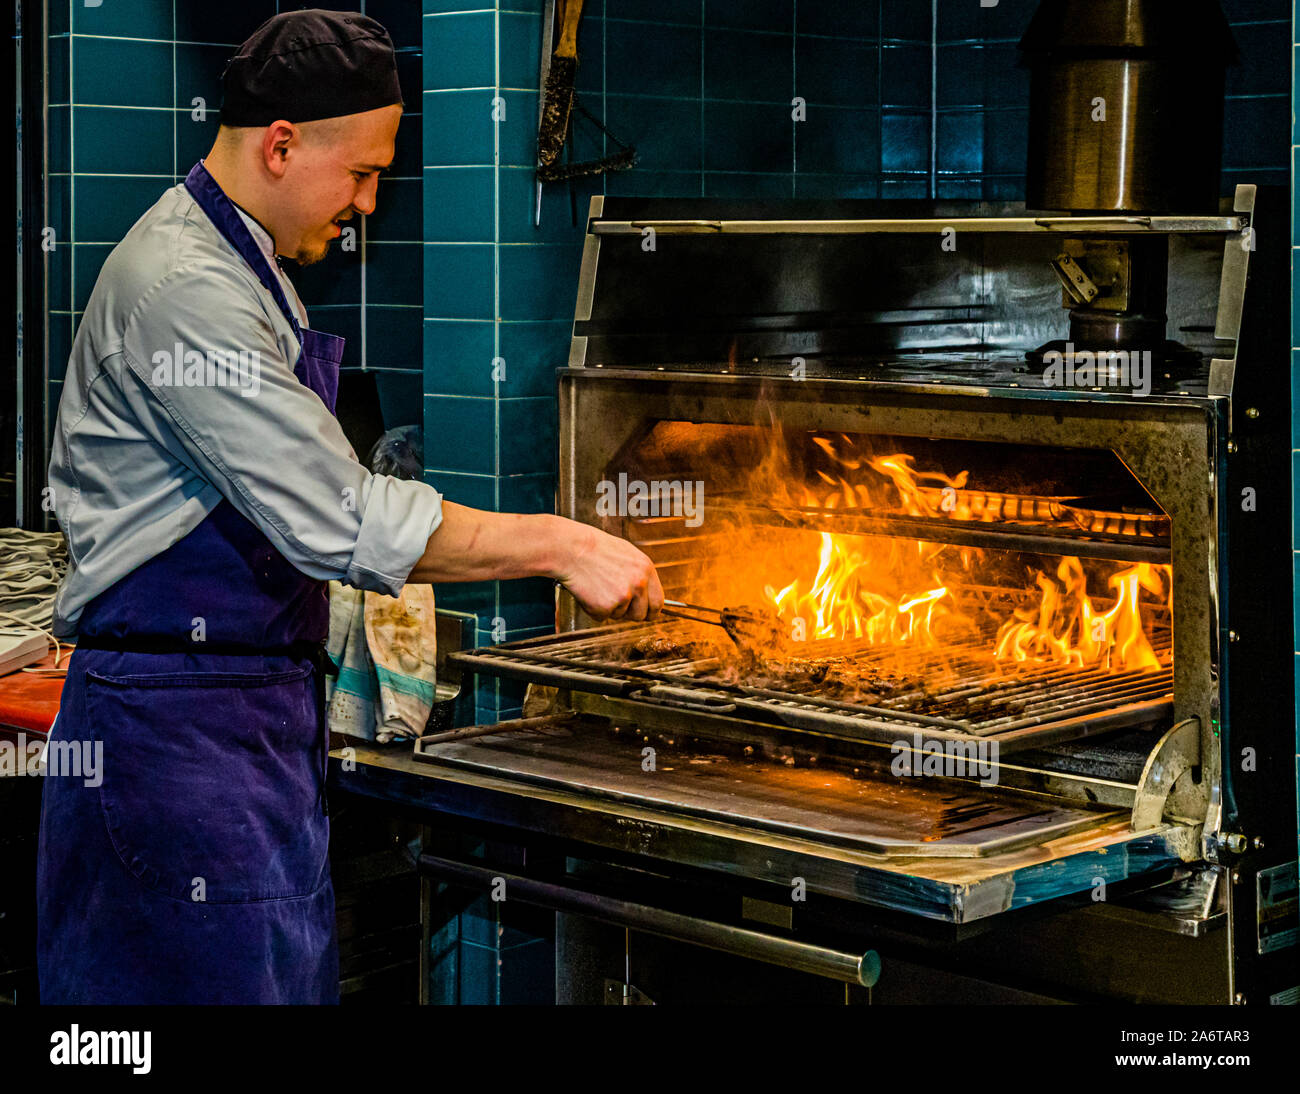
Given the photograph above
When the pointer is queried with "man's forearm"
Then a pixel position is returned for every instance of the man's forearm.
(474, 545)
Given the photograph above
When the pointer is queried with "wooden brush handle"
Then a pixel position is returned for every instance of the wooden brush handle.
(570, 13)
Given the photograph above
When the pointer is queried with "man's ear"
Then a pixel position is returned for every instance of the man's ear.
(276, 140)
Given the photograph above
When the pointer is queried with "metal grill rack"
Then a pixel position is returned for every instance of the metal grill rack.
(963, 694)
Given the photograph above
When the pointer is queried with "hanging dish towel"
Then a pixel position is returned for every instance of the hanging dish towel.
(385, 648)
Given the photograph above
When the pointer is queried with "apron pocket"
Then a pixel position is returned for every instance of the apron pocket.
(211, 782)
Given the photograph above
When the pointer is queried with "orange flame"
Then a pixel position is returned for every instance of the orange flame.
(909, 484)
(840, 604)
(1067, 628)
(887, 591)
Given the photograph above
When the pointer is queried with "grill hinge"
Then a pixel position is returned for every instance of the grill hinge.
(1159, 796)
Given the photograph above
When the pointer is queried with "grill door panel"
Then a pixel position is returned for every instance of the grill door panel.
(950, 850)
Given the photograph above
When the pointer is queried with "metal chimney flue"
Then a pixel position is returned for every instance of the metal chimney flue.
(1126, 105)
(1125, 117)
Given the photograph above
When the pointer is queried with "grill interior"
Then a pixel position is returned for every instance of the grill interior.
(996, 521)
(933, 585)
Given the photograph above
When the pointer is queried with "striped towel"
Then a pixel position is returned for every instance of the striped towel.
(385, 648)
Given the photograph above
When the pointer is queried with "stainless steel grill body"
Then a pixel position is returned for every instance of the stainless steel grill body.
(1167, 443)
(828, 320)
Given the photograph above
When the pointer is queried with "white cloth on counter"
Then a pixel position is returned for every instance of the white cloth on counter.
(385, 648)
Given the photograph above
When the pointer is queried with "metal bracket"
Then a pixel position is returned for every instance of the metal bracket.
(1222, 372)
(1232, 294)
(618, 994)
(1078, 286)
(1172, 759)
(1191, 904)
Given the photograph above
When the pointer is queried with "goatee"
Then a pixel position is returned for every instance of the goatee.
(310, 258)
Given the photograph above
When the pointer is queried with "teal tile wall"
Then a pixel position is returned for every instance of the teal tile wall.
(392, 262)
(115, 144)
(981, 100)
(483, 951)
(498, 295)
(1258, 103)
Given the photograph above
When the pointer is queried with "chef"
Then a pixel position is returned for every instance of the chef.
(208, 494)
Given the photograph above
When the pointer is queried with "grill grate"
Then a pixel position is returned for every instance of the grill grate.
(959, 693)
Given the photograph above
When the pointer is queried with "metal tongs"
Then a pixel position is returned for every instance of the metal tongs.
(679, 609)
(751, 632)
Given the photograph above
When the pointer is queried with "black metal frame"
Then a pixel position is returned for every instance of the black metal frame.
(1260, 804)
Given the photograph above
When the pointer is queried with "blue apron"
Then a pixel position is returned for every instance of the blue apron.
(197, 871)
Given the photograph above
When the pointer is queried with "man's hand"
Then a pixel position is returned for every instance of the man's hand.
(609, 577)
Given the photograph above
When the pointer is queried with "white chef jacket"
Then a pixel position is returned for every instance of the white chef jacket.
(139, 460)
(267, 246)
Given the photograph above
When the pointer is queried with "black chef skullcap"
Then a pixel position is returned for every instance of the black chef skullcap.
(306, 65)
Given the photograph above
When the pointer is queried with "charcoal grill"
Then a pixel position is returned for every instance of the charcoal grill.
(680, 373)
(702, 328)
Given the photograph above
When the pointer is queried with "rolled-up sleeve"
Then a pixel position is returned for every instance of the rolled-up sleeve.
(261, 438)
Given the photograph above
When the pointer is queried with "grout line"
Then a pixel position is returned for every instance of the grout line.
(604, 89)
(148, 41)
(604, 86)
(880, 93)
(73, 104)
(365, 356)
(382, 368)
(934, 100)
(72, 165)
(175, 94)
(690, 100)
(187, 110)
(794, 93)
(496, 282)
(703, 129)
(102, 175)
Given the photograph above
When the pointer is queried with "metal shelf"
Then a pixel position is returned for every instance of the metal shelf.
(1065, 226)
(1000, 535)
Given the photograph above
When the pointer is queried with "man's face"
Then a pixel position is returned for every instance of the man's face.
(331, 174)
